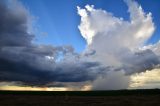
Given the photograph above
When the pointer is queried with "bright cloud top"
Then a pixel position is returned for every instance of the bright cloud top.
(133, 33)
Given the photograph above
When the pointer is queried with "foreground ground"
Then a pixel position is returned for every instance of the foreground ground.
(96, 98)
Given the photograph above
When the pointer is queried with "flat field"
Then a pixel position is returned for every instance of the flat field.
(81, 98)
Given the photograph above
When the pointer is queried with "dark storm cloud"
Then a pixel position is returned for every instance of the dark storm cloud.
(31, 67)
(22, 61)
(18, 71)
(13, 27)
(141, 61)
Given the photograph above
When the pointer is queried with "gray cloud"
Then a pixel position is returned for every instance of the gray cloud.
(13, 27)
(141, 61)
(37, 65)
(20, 71)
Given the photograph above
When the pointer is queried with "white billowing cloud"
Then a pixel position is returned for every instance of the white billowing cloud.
(94, 21)
(140, 21)
(113, 38)
(118, 43)
(98, 22)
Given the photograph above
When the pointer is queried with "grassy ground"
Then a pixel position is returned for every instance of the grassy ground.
(80, 98)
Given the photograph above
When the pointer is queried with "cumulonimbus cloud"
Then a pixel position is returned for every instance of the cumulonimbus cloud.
(119, 43)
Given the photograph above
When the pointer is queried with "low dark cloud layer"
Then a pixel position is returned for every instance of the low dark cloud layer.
(19, 71)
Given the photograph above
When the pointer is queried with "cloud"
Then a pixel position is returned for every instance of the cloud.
(114, 39)
(14, 21)
(37, 65)
(149, 79)
(119, 43)
(98, 23)
(32, 67)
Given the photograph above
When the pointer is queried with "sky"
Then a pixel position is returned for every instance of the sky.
(53, 16)
(79, 44)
